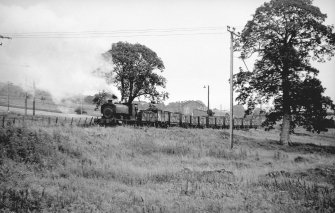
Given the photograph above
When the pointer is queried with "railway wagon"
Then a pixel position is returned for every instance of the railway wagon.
(147, 118)
(174, 119)
(163, 118)
(247, 122)
(194, 121)
(220, 122)
(202, 121)
(153, 118)
(227, 121)
(238, 123)
(211, 122)
(185, 121)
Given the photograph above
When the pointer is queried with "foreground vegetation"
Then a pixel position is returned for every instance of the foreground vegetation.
(127, 169)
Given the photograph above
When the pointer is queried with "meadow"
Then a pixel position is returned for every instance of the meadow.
(130, 169)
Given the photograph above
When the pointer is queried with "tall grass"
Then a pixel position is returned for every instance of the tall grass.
(126, 169)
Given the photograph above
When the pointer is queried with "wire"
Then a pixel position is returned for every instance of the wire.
(113, 36)
(121, 33)
(125, 31)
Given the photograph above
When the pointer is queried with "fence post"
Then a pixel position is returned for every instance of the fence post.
(56, 120)
(85, 121)
(71, 121)
(3, 121)
(79, 122)
(91, 121)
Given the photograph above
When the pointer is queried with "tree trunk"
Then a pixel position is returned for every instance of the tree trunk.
(285, 130)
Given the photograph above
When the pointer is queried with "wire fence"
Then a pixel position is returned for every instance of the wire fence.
(18, 120)
(47, 105)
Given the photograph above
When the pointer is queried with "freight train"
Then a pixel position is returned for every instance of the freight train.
(122, 113)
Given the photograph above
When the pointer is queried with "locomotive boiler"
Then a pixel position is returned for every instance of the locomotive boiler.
(114, 112)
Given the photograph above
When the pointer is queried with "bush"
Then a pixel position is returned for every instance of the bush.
(80, 111)
(26, 156)
(24, 146)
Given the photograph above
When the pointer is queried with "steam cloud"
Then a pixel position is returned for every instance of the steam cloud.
(64, 67)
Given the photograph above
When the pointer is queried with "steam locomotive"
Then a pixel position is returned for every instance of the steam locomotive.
(123, 113)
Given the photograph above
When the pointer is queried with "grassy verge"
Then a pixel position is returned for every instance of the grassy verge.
(126, 169)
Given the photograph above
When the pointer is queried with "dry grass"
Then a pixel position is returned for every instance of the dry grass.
(127, 169)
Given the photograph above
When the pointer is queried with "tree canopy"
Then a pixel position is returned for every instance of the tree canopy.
(133, 72)
(102, 97)
(286, 35)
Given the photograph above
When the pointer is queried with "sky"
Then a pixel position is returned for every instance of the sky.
(190, 37)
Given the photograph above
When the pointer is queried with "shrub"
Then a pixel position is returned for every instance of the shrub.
(25, 146)
(80, 110)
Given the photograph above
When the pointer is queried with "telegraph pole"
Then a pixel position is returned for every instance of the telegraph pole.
(207, 99)
(231, 123)
(26, 99)
(34, 98)
(81, 105)
(25, 104)
(8, 97)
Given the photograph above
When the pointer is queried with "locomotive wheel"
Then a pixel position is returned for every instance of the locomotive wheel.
(108, 112)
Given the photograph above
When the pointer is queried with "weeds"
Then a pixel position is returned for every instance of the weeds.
(311, 195)
(25, 146)
(278, 155)
(225, 153)
(126, 169)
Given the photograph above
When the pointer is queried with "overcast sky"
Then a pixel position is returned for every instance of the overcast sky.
(189, 36)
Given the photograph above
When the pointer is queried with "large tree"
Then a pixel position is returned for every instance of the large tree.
(133, 73)
(286, 35)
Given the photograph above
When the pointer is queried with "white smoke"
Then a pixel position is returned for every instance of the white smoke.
(64, 67)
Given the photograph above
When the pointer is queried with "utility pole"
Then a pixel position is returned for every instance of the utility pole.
(232, 33)
(34, 98)
(8, 97)
(81, 105)
(26, 99)
(25, 104)
(207, 99)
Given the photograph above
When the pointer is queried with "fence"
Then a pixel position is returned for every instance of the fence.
(10, 120)
(18, 102)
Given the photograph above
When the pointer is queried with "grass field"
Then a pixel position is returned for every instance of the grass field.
(128, 169)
